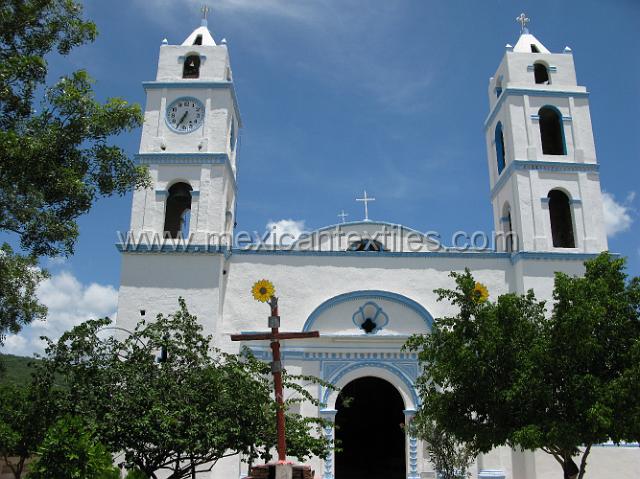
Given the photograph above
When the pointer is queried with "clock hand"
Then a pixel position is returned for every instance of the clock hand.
(183, 117)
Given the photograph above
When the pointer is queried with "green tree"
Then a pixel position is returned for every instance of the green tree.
(179, 415)
(70, 451)
(26, 413)
(56, 146)
(505, 372)
(450, 457)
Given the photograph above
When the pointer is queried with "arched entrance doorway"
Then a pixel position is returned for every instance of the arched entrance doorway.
(369, 430)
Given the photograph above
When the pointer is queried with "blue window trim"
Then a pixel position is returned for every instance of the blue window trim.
(499, 142)
(531, 92)
(369, 295)
(188, 159)
(389, 366)
(557, 166)
(561, 122)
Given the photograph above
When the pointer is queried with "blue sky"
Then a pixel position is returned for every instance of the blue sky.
(342, 95)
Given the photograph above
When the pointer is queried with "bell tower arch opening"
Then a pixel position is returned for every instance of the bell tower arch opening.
(369, 431)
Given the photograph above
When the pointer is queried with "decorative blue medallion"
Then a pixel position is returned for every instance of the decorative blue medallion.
(370, 318)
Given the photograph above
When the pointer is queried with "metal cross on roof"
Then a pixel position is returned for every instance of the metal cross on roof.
(343, 216)
(366, 200)
(523, 21)
(205, 14)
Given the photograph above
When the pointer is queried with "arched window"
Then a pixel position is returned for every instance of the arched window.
(178, 211)
(561, 221)
(232, 135)
(499, 139)
(510, 239)
(551, 131)
(499, 86)
(366, 245)
(191, 68)
(541, 73)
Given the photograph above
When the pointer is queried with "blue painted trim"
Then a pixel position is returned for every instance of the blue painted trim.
(182, 58)
(622, 444)
(344, 353)
(531, 92)
(197, 84)
(162, 194)
(491, 474)
(364, 223)
(372, 364)
(504, 219)
(558, 166)
(369, 294)
(545, 200)
(564, 118)
(188, 159)
(558, 115)
(158, 85)
(501, 156)
(451, 253)
(551, 256)
(550, 68)
(183, 98)
(379, 313)
(493, 256)
(182, 158)
(575, 201)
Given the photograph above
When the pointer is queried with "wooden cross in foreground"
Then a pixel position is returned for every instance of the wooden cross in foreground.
(276, 366)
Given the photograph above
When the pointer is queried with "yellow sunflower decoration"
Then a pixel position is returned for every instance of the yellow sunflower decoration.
(263, 290)
(481, 292)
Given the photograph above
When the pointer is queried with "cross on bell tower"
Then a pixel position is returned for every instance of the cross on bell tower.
(365, 199)
(205, 15)
(523, 21)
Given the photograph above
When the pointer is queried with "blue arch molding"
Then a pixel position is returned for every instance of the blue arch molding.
(372, 364)
(369, 294)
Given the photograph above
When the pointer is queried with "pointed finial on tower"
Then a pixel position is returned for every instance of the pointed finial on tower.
(523, 21)
(205, 14)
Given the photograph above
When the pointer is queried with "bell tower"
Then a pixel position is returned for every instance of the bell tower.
(543, 170)
(189, 142)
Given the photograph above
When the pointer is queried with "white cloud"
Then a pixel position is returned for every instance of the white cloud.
(70, 303)
(617, 216)
(302, 10)
(284, 232)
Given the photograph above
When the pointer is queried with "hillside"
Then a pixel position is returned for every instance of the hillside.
(15, 369)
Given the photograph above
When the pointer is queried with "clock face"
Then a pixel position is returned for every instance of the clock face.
(185, 115)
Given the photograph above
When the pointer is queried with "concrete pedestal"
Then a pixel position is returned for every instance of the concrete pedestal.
(281, 471)
(284, 471)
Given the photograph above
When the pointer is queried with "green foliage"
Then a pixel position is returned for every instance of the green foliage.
(136, 474)
(450, 457)
(71, 451)
(19, 277)
(177, 416)
(26, 412)
(505, 372)
(56, 151)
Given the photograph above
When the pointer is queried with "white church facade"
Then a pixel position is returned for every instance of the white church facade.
(364, 297)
